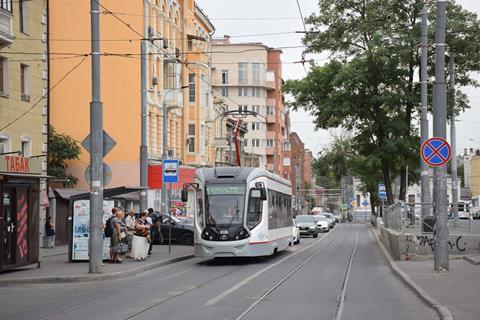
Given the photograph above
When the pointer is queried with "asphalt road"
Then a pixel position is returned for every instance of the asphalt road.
(340, 275)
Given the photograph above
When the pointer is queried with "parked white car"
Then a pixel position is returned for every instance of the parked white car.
(296, 232)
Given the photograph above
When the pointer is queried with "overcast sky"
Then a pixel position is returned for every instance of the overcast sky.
(256, 20)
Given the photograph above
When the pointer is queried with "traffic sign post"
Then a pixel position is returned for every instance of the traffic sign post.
(436, 152)
(170, 170)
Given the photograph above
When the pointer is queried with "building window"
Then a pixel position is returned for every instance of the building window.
(242, 73)
(270, 143)
(3, 76)
(257, 126)
(256, 92)
(26, 148)
(242, 108)
(191, 87)
(242, 92)
(270, 110)
(6, 5)
(191, 137)
(245, 143)
(256, 109)
(256, 73)
(224, 76)
(4, 145)
(224, 91)
(23, 15)
(24, 82)
(255, 142)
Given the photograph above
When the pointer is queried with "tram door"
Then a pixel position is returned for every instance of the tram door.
(8, 227)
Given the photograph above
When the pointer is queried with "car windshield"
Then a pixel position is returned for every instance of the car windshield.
(320, 218)
(224, 204)
(328, 215)
(304, 219)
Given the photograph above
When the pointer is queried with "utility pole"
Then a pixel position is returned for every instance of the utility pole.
(144, 113)
(453, 141)
(441, 262)
(95, 241)
(426, 197)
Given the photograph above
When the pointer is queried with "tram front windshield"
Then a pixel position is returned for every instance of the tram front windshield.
(224, 205)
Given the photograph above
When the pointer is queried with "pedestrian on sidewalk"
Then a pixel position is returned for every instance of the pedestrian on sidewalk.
(49, 231)
(130, 225)
(117, 247)
(140, 241)
(152, 221)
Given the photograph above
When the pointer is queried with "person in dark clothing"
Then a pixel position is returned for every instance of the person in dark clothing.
(49, 232)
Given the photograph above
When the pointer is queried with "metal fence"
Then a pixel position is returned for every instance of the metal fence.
(408, 218)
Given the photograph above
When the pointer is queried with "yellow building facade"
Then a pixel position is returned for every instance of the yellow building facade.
(23, 130)
(167, 28)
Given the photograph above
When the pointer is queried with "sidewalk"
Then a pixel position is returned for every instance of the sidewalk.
(55, 267)
(457, 289)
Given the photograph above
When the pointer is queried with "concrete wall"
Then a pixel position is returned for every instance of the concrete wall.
(412, 246)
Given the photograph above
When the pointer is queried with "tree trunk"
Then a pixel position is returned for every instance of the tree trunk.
(387, 180)
(372, 203)
(403, 183)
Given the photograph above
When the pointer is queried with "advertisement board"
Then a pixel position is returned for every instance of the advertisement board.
(81, 229)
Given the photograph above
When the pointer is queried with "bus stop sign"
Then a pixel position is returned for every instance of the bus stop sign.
(170, 171)
(436, 152)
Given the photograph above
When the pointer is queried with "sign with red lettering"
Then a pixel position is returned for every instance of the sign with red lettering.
(16, 164)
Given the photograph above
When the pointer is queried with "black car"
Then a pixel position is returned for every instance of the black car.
(180, 232)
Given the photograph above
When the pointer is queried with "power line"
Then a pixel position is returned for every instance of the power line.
(45, 95)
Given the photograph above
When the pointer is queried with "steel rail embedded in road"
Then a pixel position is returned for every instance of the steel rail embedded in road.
(341, 298)
(279, 283)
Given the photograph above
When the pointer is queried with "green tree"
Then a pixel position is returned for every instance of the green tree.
(62, 148)
(370, 86)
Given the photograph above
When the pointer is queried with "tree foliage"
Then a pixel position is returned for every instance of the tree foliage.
(371, 86)
(62, 148)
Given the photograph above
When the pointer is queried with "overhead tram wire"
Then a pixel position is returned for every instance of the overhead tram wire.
(69, 72)
(305, 29)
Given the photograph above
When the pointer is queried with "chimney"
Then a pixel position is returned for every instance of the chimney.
(226, 39)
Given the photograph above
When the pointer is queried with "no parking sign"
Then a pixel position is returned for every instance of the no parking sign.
(436, 152)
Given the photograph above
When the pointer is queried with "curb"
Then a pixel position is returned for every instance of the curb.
(95, 277)
(440, 309)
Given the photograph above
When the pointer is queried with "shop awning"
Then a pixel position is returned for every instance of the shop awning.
(25, 175)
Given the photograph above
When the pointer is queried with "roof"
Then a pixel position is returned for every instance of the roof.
(118, 193)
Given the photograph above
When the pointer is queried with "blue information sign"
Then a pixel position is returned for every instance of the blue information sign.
(170, 171)
(382, 192)
(436, 152)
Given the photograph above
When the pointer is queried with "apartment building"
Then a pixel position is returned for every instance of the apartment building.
(23, 130)
(247, 76)
(178, 75)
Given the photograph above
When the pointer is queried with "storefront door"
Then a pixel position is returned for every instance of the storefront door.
(8, 227)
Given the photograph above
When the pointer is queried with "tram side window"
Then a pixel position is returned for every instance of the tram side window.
(200, 217)
(255, 205)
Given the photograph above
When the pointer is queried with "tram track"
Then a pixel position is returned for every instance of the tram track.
(341, 297)
(121, 291)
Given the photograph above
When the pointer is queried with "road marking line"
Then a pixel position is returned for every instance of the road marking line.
(269, 292)
(227, 292)
(341, 300)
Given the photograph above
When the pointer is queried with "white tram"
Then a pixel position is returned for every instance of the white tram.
(241, 212)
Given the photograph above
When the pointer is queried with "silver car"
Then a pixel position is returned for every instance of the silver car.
(307, 226)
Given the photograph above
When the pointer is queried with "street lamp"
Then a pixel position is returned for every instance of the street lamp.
(165, 139)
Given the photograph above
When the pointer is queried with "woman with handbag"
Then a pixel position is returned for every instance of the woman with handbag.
(116, 244)
(141, 238)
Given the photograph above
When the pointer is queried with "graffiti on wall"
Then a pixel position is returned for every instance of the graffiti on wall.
(424, 241)
(22, 215)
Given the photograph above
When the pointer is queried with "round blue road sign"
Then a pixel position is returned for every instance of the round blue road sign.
(436, 152)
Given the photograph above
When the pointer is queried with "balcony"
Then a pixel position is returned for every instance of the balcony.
(270, 118)
(271, 135)
(6, 28)
(269, 151)
(270, 80)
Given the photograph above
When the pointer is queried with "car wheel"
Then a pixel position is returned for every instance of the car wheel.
(315, 235)
(187, 239)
